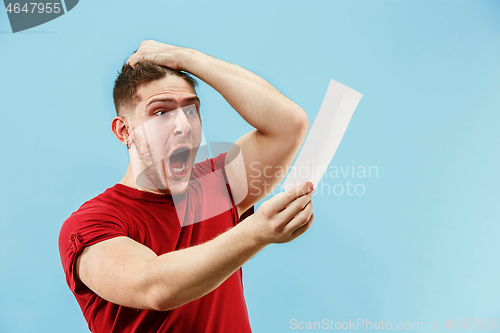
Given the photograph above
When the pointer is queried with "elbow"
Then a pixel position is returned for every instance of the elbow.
(157, 296)
(159, 306)
(300, 125)
(160, 302)
(161, 298)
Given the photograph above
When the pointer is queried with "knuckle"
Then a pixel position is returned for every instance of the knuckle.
(267, 214)
(266, 210)
(275, 227)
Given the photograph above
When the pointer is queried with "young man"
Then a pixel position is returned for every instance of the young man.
(162, 250)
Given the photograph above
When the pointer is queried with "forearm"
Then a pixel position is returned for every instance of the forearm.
(179, 277)
(125, 272)
(258, 102)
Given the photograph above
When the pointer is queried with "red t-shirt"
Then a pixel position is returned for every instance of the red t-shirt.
(151, 219)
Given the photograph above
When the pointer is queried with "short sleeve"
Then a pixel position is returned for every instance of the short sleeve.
(89, 225)
(210, 165)
(218, 163)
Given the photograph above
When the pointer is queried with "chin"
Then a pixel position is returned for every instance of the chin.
(157, 180)
(178, 189)
(178, 185)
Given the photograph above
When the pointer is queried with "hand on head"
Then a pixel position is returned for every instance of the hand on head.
(158, 53)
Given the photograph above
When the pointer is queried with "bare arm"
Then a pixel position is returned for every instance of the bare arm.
(125, 272)
(280, 125)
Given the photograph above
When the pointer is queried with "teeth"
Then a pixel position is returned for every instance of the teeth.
(181, 169)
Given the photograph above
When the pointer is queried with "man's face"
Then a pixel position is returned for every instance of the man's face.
(166, 134)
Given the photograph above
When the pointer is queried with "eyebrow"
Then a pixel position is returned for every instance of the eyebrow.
(186, 101)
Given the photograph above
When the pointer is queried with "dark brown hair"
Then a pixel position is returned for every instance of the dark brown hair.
(130, 79)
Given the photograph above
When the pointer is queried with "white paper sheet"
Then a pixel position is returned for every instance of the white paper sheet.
(325, 135)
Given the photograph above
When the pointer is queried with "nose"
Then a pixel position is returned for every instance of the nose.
(182, 124)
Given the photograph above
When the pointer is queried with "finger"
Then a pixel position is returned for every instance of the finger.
(303, 228)
(138, 54)
(295, 207)
(280, 201)
(134, 59)
(299, 220)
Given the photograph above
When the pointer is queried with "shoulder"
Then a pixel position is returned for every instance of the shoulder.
(95, 221)
(98, 216)
(106, 204)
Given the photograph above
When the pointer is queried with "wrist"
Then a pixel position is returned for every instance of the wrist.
(250, 233)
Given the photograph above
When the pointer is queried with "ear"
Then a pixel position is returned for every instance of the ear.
(120, 129)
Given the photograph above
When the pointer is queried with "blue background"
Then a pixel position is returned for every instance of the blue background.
(421, 243)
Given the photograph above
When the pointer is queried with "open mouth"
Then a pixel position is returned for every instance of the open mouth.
(178, 161)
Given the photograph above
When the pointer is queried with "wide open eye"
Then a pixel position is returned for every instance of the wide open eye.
(190, 110)
(161, 113)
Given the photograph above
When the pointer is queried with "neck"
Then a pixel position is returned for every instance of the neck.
(128, 179)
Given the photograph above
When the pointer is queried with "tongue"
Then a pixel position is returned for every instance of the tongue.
(176, 161)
